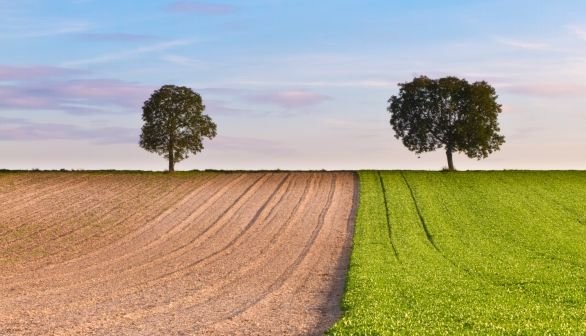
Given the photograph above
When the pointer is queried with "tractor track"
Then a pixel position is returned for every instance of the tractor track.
(241, 253)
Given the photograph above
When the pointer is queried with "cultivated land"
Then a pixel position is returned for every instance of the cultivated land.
(196, 253)
(485, 253)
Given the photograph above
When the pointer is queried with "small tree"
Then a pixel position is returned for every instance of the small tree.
(174, 123)
(449, 113)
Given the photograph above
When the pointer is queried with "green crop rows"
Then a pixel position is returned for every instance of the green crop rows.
(482, 253)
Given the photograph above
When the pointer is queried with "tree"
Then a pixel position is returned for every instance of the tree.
(447, 113)
(174, 123)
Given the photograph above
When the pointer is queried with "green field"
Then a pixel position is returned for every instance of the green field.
(484, 253)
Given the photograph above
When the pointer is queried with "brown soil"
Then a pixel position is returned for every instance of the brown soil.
(154, 254)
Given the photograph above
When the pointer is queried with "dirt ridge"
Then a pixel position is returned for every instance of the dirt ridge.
(251, 253)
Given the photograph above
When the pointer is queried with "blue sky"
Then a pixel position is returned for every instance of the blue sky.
(291, 84)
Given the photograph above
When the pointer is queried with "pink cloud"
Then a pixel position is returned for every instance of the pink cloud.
(508, 108)
(104, 90)
(256, 145)
(578, 31)
(548, 89)
(221, 107)
(290, 99)
(223, 91)
(200, 7)
(16, 129)
(75, 96)
(20, 73)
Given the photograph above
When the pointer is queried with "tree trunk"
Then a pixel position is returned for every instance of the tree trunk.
(171, 157)
(450, 161)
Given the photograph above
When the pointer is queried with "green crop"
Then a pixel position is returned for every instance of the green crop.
(473, 253)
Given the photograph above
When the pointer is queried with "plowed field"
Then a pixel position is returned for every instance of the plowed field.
(197, 253)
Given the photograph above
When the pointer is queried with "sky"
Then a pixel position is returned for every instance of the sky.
(291, 84)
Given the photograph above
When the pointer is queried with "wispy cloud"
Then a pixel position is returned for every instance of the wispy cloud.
(249, 145)
(509, 108)
(289, 99)
(548, 89)
(577, 31)
(360, 83)
(33, 72)
(525, 45)
(130, 53)
(116, 37)
(22, 31)
(77, 97)
(228, 91)
(214, 107)
(183, 61)
(200, 7)
(17, 129)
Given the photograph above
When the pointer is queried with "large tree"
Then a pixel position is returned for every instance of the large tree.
(449, 113)
(174, 123)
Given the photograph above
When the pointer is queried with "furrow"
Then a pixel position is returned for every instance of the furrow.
(71, 201)
(55, 186)
(428, 235)
(386, 206)
(158, 262)
(293, 266)
(113, 213)
(259, 269)
(111, 252)
(34, 206)
(30, 191)
(178, 277)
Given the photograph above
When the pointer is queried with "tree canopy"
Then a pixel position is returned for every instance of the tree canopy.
(449, 113)
(174, 123)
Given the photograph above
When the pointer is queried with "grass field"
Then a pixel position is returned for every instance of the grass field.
(485, 253)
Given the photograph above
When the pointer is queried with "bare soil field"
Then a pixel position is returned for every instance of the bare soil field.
(187, 254)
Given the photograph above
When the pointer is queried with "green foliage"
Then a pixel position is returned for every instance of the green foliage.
(174, 123)
(449, 112)
(477, 253)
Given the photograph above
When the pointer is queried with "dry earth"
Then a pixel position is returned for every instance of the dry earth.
(187, 254)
